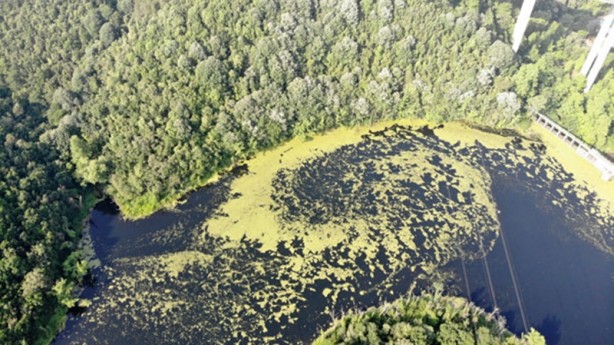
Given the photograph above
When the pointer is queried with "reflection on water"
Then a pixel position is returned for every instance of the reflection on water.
(398, 199)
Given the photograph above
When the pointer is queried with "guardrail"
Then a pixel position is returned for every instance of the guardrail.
(605, 166)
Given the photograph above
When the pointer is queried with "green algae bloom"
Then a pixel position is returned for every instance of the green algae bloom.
(313, 228)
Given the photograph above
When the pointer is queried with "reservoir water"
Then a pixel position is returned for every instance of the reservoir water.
(171, 279)
(566, 286)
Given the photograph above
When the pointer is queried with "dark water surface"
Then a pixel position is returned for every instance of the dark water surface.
(566, 286)
(564, 282)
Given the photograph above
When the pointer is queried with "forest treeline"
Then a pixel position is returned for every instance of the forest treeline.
(203, 84)
(145, 100)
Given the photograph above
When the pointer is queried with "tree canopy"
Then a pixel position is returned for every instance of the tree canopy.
(40, 207)
(203, 84)
(425, 320)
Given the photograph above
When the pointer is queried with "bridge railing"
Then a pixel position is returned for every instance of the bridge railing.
(599, 161)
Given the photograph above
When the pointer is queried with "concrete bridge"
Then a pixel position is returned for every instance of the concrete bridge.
(605, 166)
(603, 43)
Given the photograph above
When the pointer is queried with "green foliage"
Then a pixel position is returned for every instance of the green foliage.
(43, 41)
(428, 319)
(39, 213)
(187, 93)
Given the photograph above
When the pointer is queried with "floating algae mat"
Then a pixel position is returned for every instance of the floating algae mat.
(271, 253)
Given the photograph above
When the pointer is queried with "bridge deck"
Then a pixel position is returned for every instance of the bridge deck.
(605, 166)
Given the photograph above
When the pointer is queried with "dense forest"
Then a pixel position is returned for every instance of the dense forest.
(40, 212)
(201, 85)
(145, 100)
(425, 320)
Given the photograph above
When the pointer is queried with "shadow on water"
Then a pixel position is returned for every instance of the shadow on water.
(162, 232)
(115, 238)
(565, 284)
(550, 327)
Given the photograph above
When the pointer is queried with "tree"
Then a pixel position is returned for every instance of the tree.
(500, 55)
(527, 80)
(349, 9)
(34, 283)
(63, 291)
(425, 319)
(93, 21)
(108, 34)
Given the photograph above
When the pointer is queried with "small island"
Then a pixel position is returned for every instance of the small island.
(429, 319)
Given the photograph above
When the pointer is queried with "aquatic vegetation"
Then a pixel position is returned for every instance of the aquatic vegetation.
(395, 185)
(582, 171)
(318, 227)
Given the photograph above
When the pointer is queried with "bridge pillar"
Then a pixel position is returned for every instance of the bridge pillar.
(522, 23)
(599, 51)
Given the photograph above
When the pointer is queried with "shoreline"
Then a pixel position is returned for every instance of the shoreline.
(583, 171)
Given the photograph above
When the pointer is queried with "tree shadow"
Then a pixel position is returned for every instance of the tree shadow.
(481, 297)
(570, 19)
(550, 328)
(510, 320)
